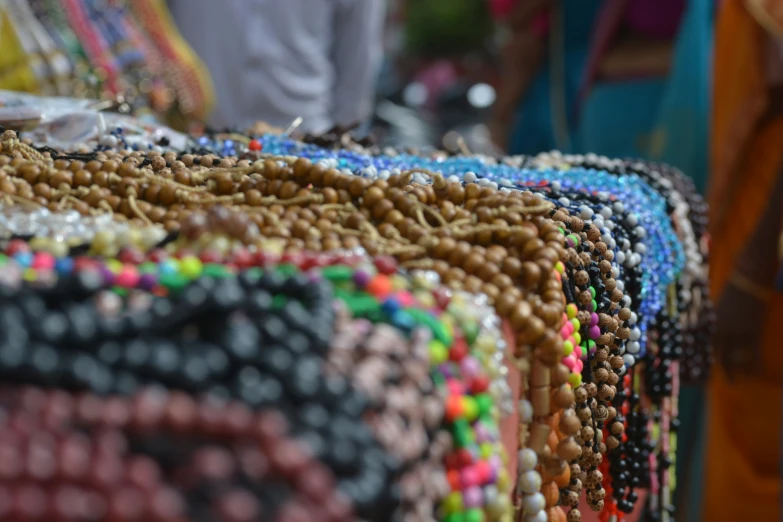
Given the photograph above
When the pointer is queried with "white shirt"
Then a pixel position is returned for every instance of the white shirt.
(276, 60)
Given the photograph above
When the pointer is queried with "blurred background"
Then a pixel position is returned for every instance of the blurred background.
(615, 77)
(620, 78)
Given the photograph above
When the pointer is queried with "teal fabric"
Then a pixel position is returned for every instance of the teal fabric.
(684, 114)
(533, 130)
(690, 453)
(660, 119)
(618, 117)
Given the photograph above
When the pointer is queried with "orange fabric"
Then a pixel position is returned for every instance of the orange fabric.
(746, 203)
(744, 161)
(742, 476)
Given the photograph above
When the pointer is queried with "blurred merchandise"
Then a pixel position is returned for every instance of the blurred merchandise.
(128, 54)
(80, 124)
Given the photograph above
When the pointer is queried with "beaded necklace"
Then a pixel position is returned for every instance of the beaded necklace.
(625, 506)
(478, 270)
(587, 246)
(193, 93)
(158, 91)
(93, 43)
(29, 46)
(616, 475)
(128, 56)
(46, 19)
(57, 65)
(106, 21)
(339, 274)
(83, 80)
(665, 259)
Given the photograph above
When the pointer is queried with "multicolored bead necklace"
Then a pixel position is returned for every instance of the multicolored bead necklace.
(575, 269)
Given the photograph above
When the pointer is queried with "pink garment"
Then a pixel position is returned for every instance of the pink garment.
(437, 77)
(655, 18)
(541, 24)
(501, 8)
(651, 18)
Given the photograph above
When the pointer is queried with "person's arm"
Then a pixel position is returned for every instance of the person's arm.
(356, 53)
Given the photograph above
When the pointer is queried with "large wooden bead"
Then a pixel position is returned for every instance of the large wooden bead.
(556, 514)
(551, 493)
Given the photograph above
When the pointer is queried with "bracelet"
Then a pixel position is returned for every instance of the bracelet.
(749, 287)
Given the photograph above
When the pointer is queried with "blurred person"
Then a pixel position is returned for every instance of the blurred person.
(646, 89)
(615, 77)
(745, 395)
(534, 106)
(278, 60)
